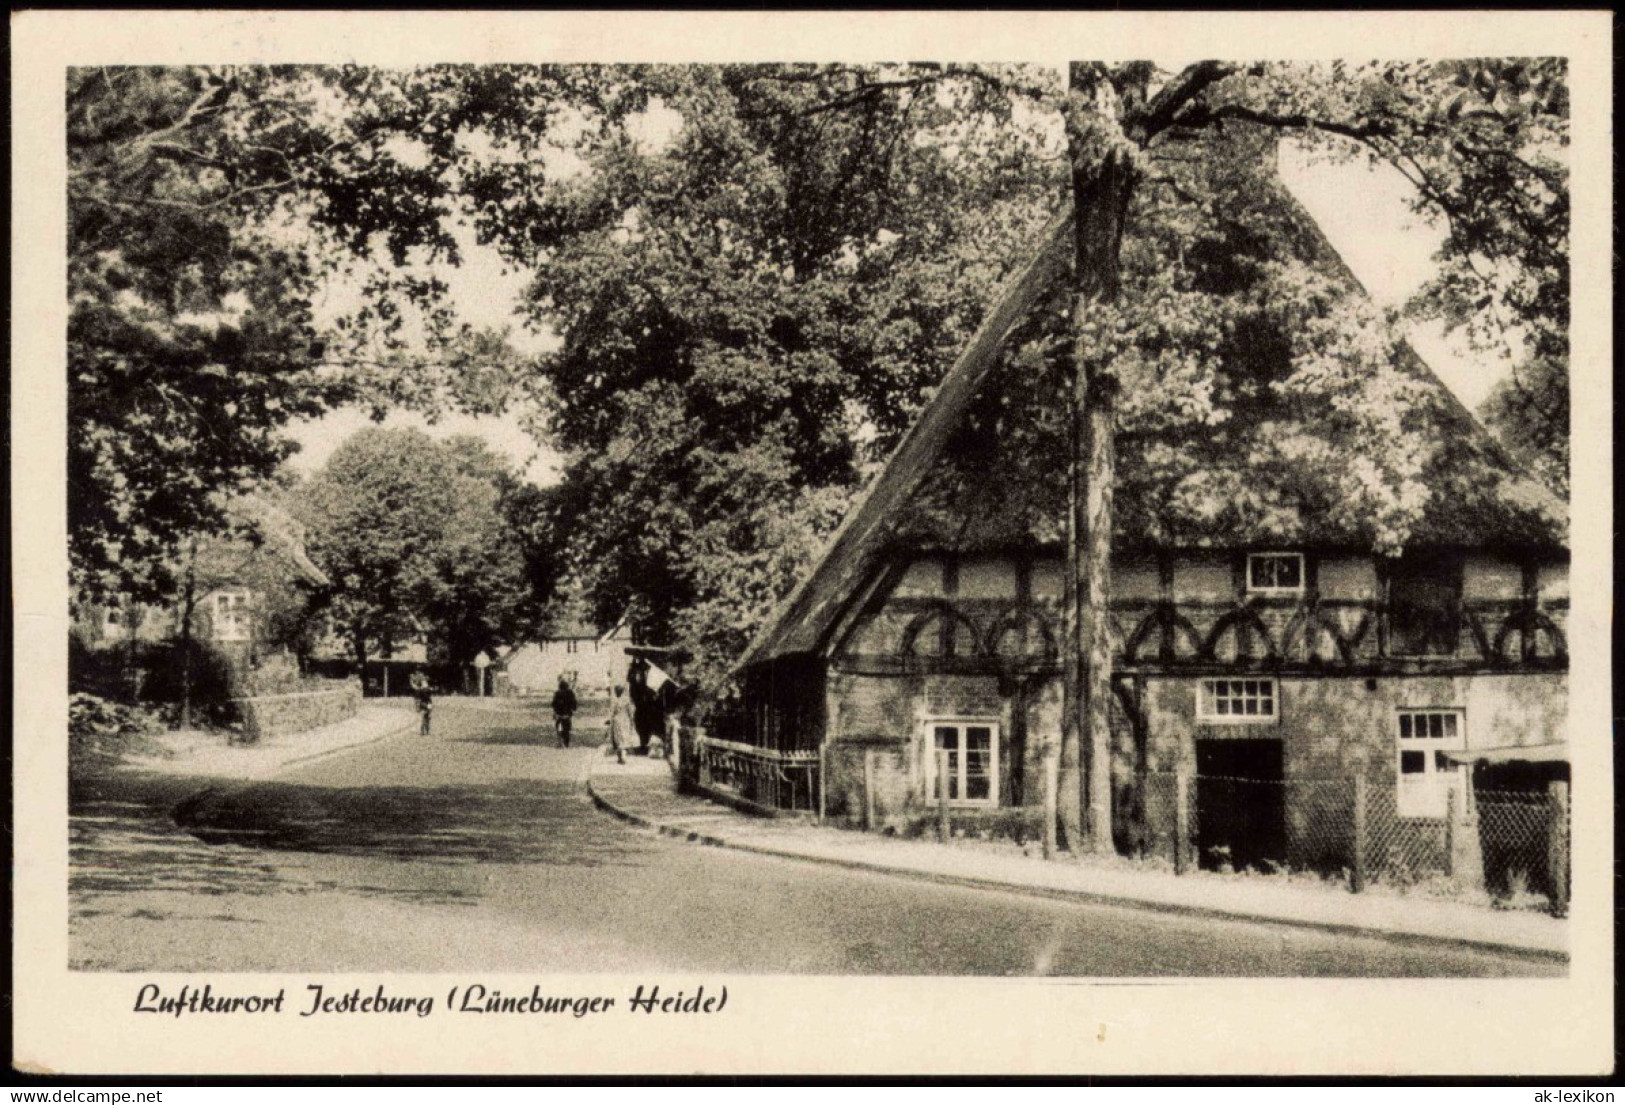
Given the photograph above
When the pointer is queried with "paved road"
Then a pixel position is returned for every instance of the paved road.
(477, 849)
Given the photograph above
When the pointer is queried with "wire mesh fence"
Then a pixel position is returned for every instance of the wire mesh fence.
(1517, 833)
(1511, 844)
(1403, 849)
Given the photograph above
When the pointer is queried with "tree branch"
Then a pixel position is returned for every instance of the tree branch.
(867, 92)
(208, 102)
(1202, 116)
(1172, 98)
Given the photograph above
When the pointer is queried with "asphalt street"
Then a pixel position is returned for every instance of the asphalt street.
(477, 848)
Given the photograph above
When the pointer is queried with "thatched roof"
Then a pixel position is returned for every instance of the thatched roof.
(281, 533)
(960, 481)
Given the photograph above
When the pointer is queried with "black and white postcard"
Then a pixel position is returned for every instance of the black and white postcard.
(679, 543)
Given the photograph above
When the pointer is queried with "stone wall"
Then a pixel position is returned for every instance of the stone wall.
(279, 714)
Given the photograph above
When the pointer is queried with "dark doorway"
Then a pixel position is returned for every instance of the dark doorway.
(1240, 803)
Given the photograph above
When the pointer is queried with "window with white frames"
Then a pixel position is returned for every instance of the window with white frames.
(1275, 573)
(973, 761)
(1426, 772)
(1236, 700)
(231, 617)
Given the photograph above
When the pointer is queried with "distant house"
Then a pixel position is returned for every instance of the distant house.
(411, 645)
(590, 660)
(244, 579)
(1273, 656)
(251, 585)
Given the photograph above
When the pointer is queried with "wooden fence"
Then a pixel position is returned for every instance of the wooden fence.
(765, 778)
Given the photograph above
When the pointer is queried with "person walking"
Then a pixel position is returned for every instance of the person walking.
(564, 710)
(424, 697)
(619, 725)
(641, 699)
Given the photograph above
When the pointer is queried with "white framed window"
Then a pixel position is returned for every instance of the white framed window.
(1426, 772)
(231, 616)
(972, 746)
(1237, 700)
(1275, 573)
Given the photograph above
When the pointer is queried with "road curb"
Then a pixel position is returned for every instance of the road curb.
(1084, 896)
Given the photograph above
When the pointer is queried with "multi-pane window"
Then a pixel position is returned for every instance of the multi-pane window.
(231, 617)
(1275, 573)
(1426, 771)
(972, 774)
(1236, 700)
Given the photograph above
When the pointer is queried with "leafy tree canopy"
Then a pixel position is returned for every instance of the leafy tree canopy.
(207, 208)
(755, 272)
(413, 535)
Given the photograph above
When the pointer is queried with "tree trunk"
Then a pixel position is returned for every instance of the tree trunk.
(1069, 778)
(129, 675)
(188, 608)
(1102, 182)
(358, 641)
(1096, 622)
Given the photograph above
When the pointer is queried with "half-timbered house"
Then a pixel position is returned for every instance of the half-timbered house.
(1255, 649)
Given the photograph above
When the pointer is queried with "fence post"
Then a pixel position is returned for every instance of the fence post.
(702, 759)
(823, 780)
(1557, 845)
(1182, 819)
(869, 789)
(942, 795)
(1357, 873)
(1450, 833)
(1051, 787)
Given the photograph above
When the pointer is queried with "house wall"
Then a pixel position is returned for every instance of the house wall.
(886, 716)
(1348, 578)
(1135, 577)
(275, 595)
(1554, 581)
(1338, 691)
(535, 668)
(1334, 728)
(1339, 618)
(1329, 726)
